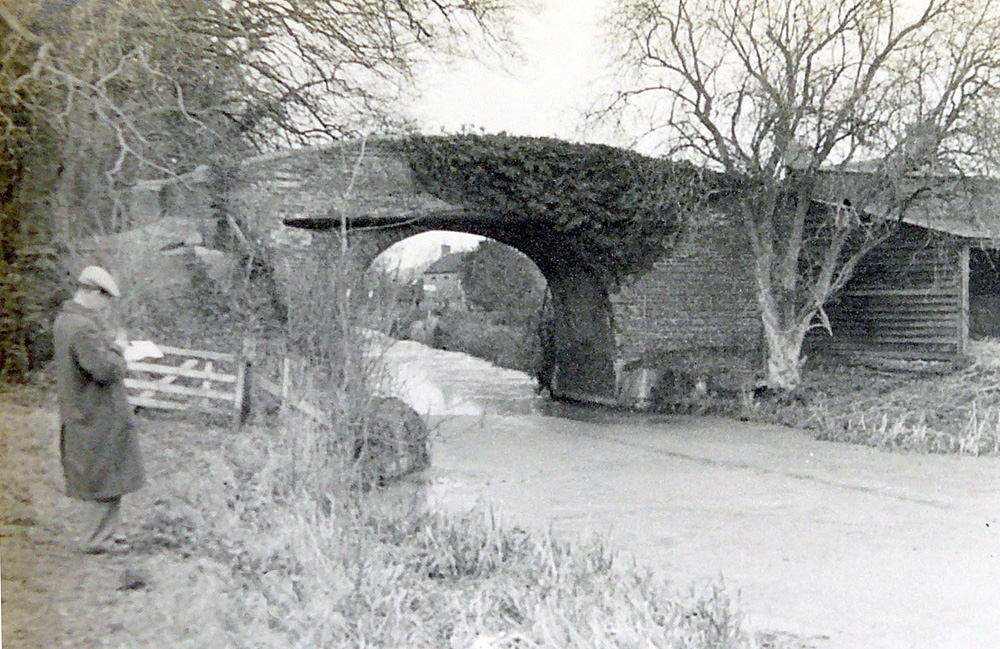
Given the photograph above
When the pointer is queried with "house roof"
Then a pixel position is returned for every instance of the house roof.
(450, 263)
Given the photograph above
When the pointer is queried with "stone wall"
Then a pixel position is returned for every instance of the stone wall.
(187, 196)
(701, 295)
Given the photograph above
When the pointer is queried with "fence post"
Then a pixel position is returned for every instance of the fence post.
(286, 381)
(244, 383)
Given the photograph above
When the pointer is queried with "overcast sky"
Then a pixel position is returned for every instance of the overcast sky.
(542, 94)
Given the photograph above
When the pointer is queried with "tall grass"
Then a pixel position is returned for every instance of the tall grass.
(283, 539)
(950, 412)
(301, 559)
(289, 543)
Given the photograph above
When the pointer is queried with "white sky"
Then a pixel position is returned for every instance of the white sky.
(544, 92)
(562, 70)
(422, 249)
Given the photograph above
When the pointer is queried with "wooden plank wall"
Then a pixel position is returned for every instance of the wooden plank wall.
(908, 300)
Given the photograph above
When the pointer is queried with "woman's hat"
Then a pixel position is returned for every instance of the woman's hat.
(97, 277)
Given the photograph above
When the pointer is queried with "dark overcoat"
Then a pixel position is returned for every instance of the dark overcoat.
(98, 438)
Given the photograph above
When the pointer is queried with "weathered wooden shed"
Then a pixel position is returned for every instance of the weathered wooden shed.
(925, 292)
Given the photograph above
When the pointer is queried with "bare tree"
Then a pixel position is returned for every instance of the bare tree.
(96, 94)
(779, 93)
(120, 89)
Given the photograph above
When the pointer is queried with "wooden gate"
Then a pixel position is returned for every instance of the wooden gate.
(192, 380)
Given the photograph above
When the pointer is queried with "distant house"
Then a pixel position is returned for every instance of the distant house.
(442, 283)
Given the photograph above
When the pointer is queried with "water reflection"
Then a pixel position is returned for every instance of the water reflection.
(443, 383)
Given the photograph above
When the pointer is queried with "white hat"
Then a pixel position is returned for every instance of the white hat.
(97, 277)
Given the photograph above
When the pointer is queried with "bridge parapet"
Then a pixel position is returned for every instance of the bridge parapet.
(309, 187)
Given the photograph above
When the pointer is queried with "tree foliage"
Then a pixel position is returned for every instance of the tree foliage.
(500, 280)
(621, 208)
(140, 88)
(786, 94)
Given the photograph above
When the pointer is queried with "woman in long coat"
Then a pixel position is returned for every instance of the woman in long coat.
(98, 442)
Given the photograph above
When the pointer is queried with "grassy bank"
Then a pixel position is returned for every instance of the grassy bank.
(479, 334)
(914, 406)
(911, 408)
(315, 563)
(257, 539)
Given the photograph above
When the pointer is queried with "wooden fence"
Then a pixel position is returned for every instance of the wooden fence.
(221, 383)
(192, 380)
(286, 377)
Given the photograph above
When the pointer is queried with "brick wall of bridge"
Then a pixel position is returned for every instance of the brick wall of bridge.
(699, 296)
(320, 182)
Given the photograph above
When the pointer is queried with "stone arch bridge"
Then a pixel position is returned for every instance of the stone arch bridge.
(294, 203)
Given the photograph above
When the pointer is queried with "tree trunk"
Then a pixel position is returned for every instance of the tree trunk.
(784, 353)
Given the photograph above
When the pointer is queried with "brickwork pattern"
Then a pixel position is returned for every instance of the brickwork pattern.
(699, 295)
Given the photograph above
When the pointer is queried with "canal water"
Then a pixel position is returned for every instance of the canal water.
(849, 547)
(440, 383)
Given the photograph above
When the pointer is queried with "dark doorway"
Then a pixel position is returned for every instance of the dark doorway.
(984, 293)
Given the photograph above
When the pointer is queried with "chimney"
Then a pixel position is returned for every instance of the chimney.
(445, 250)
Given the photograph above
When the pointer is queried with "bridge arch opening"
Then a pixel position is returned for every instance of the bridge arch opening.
(575, 351)
(591, 217)
(588, 216)
(463, 292)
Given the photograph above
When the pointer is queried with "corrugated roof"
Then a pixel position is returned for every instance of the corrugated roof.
(964, 207)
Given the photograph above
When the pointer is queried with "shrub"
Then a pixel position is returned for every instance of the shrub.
(620, 206)
(33, 284)
(702, 379)
(913, 408)
(476, 334)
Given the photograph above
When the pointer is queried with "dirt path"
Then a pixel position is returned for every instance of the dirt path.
(852, 547)
(35, 554)
(54, 595)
